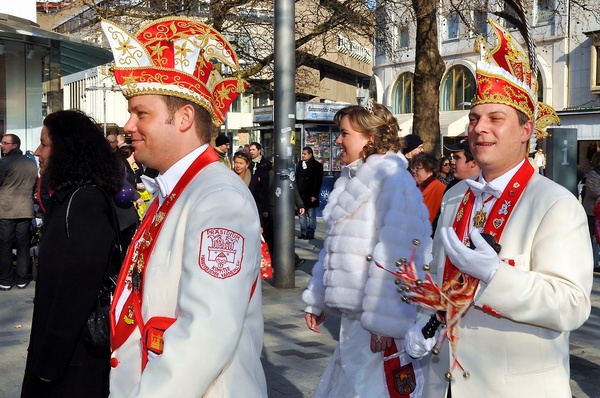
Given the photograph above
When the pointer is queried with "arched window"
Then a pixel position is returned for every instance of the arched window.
(458, 89)
(402, 100)
(540, 91)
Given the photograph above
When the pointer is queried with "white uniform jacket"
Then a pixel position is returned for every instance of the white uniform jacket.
(525, 351)
(378, 211)
(213, 348)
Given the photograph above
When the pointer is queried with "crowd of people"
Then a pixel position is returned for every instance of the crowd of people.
(454, 276)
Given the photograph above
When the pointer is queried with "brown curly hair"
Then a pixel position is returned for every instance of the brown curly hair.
(379, 124)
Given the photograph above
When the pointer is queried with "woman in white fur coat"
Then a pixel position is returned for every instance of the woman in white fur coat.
(374, 209)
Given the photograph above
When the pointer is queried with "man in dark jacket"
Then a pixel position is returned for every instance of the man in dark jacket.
(309, 177)
(261, 167)
(18, 176)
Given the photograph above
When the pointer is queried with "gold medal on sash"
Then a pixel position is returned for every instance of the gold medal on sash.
(479, 220)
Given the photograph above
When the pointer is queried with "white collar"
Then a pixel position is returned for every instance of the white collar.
(167, 181)
(502, 181)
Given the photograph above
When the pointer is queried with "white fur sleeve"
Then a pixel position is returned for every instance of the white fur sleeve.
(403, 218)
(314, 295)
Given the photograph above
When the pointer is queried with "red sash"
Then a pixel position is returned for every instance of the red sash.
(139, 254)
(458, 288)
(400, 379)
(495, 223)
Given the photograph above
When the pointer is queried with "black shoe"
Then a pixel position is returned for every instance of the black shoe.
(302, 236)
(23, 285)
(309, 237)
(299, 262)
(5, 288)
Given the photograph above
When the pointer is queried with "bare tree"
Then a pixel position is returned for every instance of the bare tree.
(429, 69)
(248, 25)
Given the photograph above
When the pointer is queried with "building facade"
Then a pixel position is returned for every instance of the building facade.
(32, 63)
(568, 43)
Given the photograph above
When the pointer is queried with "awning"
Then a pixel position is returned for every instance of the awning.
(75, 55)
(585, 121)
(452, 123)
(405, 123)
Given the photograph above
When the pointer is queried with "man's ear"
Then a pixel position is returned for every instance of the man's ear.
(187, 115)
(527, 131)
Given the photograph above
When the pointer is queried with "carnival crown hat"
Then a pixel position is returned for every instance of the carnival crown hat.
(504, 76)
(175, 56)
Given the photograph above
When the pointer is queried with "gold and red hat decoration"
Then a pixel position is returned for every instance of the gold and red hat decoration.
(504, 76)
(175, 56)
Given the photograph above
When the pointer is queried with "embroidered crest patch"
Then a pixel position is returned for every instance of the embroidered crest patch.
(221, 252)
(405, 380)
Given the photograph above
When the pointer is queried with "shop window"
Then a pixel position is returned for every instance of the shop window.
(458, 89)
(261, 99)
(322, 141)
(402, 101)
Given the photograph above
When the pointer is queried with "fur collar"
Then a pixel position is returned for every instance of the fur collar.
(351, 192)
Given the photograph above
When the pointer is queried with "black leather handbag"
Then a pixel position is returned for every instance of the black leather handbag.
(96, 333)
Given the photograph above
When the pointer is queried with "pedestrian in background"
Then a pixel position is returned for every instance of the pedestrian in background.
(18, 176)
(590, 201)
(75, 250)
(113, 141)
(413, 145)
(374, 209)
(260, 166)
(129, 197)
(424, 167)
(222, 145)
(309, 177)
(540, 161)
(445, 171)
(260, 192)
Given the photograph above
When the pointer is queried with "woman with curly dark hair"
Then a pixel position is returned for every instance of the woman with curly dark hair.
(374, 209)
(75, 253)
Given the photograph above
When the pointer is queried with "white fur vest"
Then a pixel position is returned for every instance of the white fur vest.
(378, 211)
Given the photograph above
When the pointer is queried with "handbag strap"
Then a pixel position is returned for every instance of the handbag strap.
(111, 278)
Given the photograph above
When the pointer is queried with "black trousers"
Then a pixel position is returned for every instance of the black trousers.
(15, 231)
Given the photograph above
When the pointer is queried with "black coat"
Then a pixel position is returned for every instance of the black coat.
(260, 173)
(260, 193)
(309, 181)
(70, 274)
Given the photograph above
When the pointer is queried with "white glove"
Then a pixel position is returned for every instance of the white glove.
(481, 263)
(416, 345)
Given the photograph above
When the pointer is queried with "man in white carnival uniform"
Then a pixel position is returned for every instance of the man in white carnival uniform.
(513, 310)
(187, 316)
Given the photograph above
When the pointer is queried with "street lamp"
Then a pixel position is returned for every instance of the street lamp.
(104, 89)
